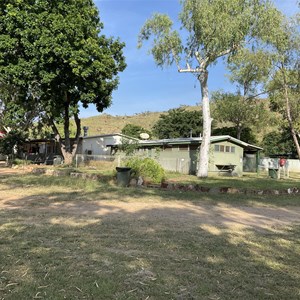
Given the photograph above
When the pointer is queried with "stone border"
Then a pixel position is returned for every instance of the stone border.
(227, 190)
(171, 186)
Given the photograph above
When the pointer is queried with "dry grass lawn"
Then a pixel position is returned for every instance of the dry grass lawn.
(69, 239)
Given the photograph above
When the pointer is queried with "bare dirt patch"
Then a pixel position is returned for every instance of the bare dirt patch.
(171, 213)
(103, 242)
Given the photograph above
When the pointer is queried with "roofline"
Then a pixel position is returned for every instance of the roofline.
(110, 134)
(213, 140)
(236, 141)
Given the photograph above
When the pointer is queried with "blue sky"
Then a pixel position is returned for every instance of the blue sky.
(144, 86)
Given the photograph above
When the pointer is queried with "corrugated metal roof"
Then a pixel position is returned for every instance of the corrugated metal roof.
(109, 135)
(198, 140)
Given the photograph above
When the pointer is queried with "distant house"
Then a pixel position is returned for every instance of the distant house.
(39, 149)
(104, 144)
(227, 154)
(41, 146)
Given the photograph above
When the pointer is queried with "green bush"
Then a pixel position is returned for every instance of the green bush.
(147, 168)
(19, 162)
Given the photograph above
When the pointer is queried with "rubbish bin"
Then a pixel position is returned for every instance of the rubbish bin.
(123, 176)
(273, 173)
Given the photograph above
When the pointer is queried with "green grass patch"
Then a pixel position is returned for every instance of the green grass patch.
(249, 180)
(128, 258)
(89, 190)
(50, 250)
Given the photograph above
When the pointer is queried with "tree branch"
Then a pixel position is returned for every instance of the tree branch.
(190, 70)
(223, 53)
(78, 126)
(54, 128)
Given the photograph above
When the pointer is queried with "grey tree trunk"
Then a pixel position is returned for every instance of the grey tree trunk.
(68, 148)
(290, 121)
(204, 149)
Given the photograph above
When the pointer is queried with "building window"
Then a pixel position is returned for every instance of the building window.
(222, 148)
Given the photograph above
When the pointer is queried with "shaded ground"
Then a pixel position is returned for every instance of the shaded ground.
(174, 212)
(69, 242)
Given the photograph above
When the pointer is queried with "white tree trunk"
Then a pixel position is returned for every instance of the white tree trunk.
(205, 145)
(288, 111)
(68, 156)
(290, 121)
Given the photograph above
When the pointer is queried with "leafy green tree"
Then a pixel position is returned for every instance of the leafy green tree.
(211, 29)
(12, 115)
(241, 112)
(52, 51)
(178, 123)
(128, 146)
(249, 69)
(276, 67)
(284, 83)
(285, 100)
(279, 142)
(246, 135)
(11, 143)
(135, 130)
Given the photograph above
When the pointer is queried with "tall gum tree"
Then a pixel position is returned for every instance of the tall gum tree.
(283, 80)
(54, 50)
(284, 83)
(241, 112)
(249, 70)
(211, 30)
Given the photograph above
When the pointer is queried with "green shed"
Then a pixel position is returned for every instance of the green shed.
(227, 154)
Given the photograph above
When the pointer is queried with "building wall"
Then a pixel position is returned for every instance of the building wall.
(183, 158)
(172, 158)
(228, 154)
(99, 145)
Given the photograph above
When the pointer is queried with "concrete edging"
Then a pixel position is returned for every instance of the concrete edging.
(173, 186)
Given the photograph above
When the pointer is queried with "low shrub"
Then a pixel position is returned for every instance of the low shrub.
(19, 162)
(147, 168)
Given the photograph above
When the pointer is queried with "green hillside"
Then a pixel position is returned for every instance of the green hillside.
(105, 124)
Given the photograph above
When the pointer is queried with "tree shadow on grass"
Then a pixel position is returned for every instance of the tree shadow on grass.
(92, 189)
(58, 245)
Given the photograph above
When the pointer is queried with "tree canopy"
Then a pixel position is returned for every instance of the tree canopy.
(276, 69)
(135, 130)
(53, 54)
(211, 29)
(284, 84)
(178, 123)
(279, 142)
(240, 111)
